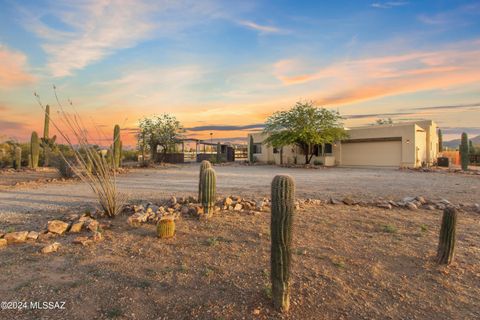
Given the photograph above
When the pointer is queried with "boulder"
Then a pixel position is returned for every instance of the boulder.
(348, 201)
(97, 236)
(334, 201)
(238, 207)
(172, 201)
(412, 206)
(57, 226)
(228, 201)
(384, 205)
(421, 199)
(32, 235)
(50, 248)
(45, 236)
(16, 237)
(84, 241)
(93, 225)
(76, 227)
(3, 243)
(184, 210)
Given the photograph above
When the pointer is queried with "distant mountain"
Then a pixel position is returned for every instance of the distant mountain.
(455, 143)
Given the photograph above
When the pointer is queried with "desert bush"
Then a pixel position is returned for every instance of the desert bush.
(63, 165)
(318, 162)
(283, 206)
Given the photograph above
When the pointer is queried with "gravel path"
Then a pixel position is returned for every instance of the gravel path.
(151, 184)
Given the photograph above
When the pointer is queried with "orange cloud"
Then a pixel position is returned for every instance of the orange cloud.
(12, 68)
(353, 81)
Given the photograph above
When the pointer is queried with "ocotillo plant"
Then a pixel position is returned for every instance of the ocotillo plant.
(464, 158)
(209, 191)
(116, 147)
(204, 165)
(283, 206)
(446, 242)
(18, 158)
(34, 150)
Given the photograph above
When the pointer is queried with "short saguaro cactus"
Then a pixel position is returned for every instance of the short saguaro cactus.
(18, 158)
(209, 191)
(446, 242)
(205, 164)
(283, 206)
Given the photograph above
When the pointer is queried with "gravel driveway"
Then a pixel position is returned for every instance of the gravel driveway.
(151, 184)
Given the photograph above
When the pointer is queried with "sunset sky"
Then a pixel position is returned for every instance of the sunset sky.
(224, 66)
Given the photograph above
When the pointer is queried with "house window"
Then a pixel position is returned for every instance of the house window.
(257, 148)
(317, 149)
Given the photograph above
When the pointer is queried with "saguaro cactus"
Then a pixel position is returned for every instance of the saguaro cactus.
(205, 164)
(209, 191)
(446, 242)
(283, 206)
(18, 158)
(117, 152)
(219, 152)
(464, 158)
(34, 150)
(440, 141)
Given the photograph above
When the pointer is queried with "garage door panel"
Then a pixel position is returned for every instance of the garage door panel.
(388, 153)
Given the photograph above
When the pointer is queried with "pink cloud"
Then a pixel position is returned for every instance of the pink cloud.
(13, 67)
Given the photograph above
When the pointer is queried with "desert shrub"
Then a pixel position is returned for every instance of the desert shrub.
(130, 155)
(63, 166)
(318, 162)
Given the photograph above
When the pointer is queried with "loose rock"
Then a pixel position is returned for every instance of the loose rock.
(3, 243)
(76, 227)
(16, 237)
(51, 248)
(57, 226)
(32, 235)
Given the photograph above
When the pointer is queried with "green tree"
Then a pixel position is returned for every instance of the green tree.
(164, 131)
(306, 126)
(440, 141)
(464, 158)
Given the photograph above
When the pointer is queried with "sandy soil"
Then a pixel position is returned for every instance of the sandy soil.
(349, 263)
(252, 181)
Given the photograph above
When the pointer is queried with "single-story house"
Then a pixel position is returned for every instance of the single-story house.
(405, 144)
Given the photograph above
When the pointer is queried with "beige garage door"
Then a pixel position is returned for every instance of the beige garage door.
(385, 153)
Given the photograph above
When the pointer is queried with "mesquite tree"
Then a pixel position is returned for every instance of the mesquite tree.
(306, 126)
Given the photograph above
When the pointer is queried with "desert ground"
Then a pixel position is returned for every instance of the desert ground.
(350, 262)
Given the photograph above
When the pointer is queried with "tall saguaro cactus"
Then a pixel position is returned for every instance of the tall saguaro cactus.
(464, 158)
(47, 142)
(446, 242)
(34, 150)
(209, 191)
(440, 141)
(117, 151)
(283, 206)
(205, 164)
(18, 158)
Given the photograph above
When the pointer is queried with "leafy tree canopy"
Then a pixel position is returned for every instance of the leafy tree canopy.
(306, 126)
(163, 130)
